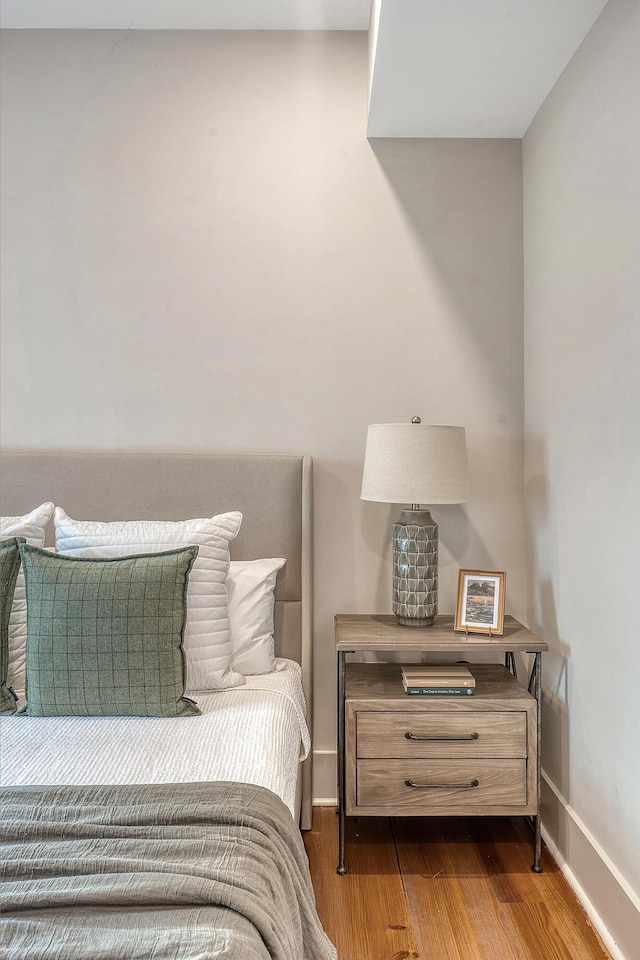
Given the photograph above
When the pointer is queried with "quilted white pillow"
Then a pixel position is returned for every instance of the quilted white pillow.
(32, 527)
(250, 586)
(207, 641)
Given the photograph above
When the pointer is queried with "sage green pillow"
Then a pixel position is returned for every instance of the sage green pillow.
(9, 567)
(104, 635)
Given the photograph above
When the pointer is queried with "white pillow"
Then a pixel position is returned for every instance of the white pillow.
(32, 527)
(250, 586)
(207, 642)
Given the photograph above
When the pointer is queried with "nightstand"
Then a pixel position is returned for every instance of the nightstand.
(401, 755)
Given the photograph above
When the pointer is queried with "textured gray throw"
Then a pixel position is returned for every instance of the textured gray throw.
(206, 870)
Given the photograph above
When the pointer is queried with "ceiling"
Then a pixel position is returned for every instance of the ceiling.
(187, 14)
(438, 68)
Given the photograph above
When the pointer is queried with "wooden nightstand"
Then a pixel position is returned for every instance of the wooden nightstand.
(402, 755)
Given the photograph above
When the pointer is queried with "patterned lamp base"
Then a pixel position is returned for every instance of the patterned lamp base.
(415, 568)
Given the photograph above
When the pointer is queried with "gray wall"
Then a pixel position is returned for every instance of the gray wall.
(201, 251)
(582, 471)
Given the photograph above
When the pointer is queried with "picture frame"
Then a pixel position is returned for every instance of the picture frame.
(480, 603)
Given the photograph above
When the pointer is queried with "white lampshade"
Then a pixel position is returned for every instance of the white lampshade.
(415, 463)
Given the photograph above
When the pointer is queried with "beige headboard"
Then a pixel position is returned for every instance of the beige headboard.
(273, 493)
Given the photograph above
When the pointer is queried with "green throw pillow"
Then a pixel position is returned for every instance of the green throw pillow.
(9, 567)
(104, 636)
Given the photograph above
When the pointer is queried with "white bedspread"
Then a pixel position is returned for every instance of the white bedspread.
(252, 734)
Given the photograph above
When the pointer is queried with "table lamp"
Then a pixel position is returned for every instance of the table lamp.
(415, 463)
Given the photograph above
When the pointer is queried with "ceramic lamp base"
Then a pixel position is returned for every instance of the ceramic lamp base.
(415, 568)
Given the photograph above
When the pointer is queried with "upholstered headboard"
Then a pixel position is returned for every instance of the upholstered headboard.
(273, 493)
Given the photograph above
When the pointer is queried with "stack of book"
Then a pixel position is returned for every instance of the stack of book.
(438, 681)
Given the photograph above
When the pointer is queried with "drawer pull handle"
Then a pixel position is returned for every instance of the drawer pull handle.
(442, 786)
(469, 736)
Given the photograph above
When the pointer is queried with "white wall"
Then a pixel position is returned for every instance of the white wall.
(582, 471)
(202, 251)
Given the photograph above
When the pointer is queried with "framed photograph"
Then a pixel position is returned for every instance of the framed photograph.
(480, 606)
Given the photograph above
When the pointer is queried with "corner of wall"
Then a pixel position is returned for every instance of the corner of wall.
(591, 874)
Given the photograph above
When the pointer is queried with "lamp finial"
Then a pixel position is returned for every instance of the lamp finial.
(416, 420)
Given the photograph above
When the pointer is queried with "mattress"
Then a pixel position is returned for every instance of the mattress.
(255, 734)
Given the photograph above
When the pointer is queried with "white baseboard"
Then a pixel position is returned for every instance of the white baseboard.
(608, 899)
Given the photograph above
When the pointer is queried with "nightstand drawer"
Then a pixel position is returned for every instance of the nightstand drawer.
(441, 783)
(417, 735)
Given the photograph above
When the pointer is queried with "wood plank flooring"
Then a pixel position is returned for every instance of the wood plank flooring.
(444, 889)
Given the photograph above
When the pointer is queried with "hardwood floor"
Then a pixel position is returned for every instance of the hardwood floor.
(444, 889)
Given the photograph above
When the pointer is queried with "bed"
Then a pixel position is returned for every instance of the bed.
(176, 836)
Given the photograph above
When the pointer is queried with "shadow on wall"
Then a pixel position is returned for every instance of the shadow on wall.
(455, 532)
(542, 565)
(462, 200)
(376, 521)
(556, 696)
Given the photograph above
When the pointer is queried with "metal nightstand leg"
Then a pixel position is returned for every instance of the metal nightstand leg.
(537, 842)
(510, 663)
(341, 869)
